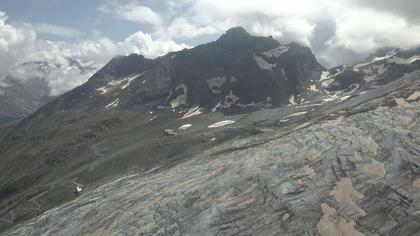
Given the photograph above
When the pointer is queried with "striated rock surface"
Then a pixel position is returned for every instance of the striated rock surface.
(347, 168)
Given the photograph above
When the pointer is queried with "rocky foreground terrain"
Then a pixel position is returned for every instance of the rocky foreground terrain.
(329, 158)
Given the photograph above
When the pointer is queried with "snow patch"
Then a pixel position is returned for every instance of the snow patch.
(122, 83)
(404, 61)
(376, 59)
(129, 79)
(263, 64)
(330, 99)
(401, 102)
(276, 52)
(221, 124)
(335, 97)
(295, 114)
(309, 105)
(325, 75)
(414, 96)
(103, 90)
(113, 104)
(216, 83)
(343, 98)
(218, 105)
(192, 112)
(186, 126)
(313, 87)
(326, 78)
(292, 100)
(283, 73)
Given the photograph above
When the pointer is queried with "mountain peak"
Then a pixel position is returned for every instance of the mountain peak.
(238, 31)
(236, 37)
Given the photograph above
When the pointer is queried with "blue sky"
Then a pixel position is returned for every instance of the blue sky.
(85, 19)
(321, 25)
(93, 31)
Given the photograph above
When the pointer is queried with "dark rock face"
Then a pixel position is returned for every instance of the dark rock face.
(236, 70)
(241, 69)
(211, 73)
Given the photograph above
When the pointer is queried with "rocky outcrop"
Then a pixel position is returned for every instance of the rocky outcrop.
(378, 69)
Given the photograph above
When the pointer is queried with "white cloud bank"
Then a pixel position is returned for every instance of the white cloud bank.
(19, 44)
(363, 30)
(133, 12)
(338, 31)
(354, 28)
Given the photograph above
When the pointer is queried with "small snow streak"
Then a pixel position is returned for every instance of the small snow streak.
(113, 104)
(221, 124)
(186, 126)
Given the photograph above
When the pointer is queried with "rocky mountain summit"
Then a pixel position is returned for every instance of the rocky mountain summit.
(234, 71)
(241, 136)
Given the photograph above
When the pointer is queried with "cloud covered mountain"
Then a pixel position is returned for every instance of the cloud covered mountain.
(32, 84)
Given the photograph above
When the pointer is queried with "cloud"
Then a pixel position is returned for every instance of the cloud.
(143, 43)
(60, 81)
(13, 43)
(365, 30)
(180, 27)
(3, 17)
(407, 9)
(56, 30)
(338, 31)
(19, 44)
(285, 20)
(133, 12)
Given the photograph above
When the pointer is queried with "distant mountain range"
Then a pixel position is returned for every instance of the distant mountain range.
(27, 87)
(240, 136)
(378, 69)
